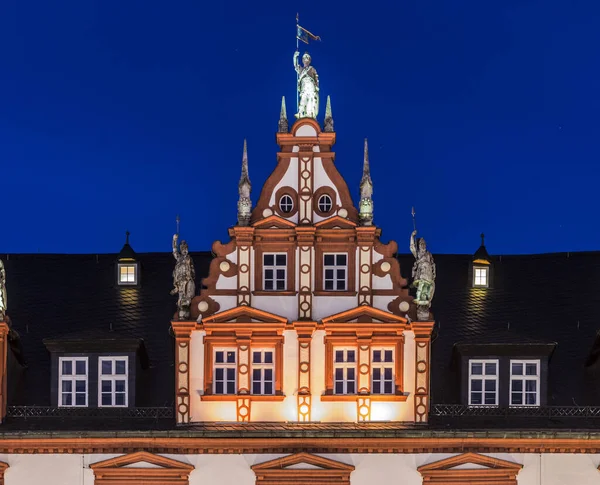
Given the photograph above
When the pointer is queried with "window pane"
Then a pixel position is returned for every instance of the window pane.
(387, 373)
(218, 357)
(377, 356)
(351, 356)
(67, 400)
(389, 356)
(376, 374)
(256, 358)
(490, 385)
(530, 386)
(269, 284)
(256, 387)
(388, 388)
(517, 369)
(268, 374)
(280, 274)
(329, 274)
(106, 399)
(339, 356)
(517, 385)
(67, 368)
(269, 259)
(490, 398)
(339, 374)
(350, 387)
(341, 285)
(80, 367)
(219, 374)
(230, 388)
(231, 357)
(268, 274)
(476, 369)
(119, 386)
(256, 374)
(340, 260)
(80, 386)
(490, 369)
(106, 367)
(120, 367)
(268, 357)
(281, 285)
(79, 399)
(531, 369)
(516, 398)
(280, 260)
(218, 387)
(106, 386)
(230, 374)
(329, 259)
(339, 387)
(268, 388)
(476, 398)
(376, 387)
(350, 374)
(120, 399)
(329, 285)
(341, 274)
(67, 386)
(476, 385)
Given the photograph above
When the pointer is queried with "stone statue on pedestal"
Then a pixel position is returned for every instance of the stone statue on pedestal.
(423, 276)
(2, 292)
(308, 87)
(184, 275)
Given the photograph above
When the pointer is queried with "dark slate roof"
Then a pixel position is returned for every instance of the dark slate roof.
(550, 300)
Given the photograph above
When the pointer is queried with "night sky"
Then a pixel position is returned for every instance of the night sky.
(120, 115)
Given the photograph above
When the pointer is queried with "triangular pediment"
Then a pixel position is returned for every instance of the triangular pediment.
(141, 460)
(302, 461)
(335, 222)
(470, 466)
(274, 222)
(364, 313)
(245, 314)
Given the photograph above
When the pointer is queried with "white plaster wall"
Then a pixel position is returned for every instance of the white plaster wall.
(321, 179)
(73, 469)
(306, 130)
(226, 301)
(284, 306)
(324, 306)
(289, 179)
(224, 283)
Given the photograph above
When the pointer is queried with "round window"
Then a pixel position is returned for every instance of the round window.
(325, 203)
(286, 204)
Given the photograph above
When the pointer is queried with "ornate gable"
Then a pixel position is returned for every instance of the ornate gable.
(302, 468)
(364, 314)
(123, 470)
(245, 314)
(471, 469)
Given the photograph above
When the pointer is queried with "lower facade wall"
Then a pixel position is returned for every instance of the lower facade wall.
(73, 469)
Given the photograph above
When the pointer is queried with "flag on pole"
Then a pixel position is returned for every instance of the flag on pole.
(304, 35)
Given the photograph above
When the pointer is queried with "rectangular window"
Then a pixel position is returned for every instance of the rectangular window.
(73, 381)
(335, 272)
(225, 371)
(263, 371)
(127, 274)
(480, 276)
(344, 371)
(113, 381)
(483, 382)
(524, 382)
(382, 371)
(274, 272)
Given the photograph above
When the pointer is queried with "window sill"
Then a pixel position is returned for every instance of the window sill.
(235, 397)
(274, 293)
(334, 293)
(373, 397)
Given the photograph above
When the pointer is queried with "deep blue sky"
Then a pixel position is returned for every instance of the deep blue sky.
(119, 115)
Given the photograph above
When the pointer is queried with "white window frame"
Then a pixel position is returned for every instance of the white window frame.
(381, 366)
(483, 377)
(481, 280)
(330, 203)
(281, 204)
(73, 378)
(262, 366)
(225, 366)
(121, 266)
(113, 378)
(524, 378)
(345, 366)
(275, 267)
(335, 267)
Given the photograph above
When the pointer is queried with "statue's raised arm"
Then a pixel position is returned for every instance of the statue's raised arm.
(413, 244)
(296, 65)
(175, 248)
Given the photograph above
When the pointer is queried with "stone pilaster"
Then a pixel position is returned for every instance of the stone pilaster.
(305, 332)
(243, 238)
(366, 239)
(306, 241)
(422, 369)
(183, 336)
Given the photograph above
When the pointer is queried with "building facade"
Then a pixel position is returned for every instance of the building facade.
(307, 350)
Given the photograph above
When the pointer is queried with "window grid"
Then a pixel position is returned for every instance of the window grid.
(483, 382)
(325, 204)
(127, 274)
(112, 385)
(335, 271)
(225, 371)
(286, 204)
(73, 381)
(263, 371)
(344, 371)
(382, 371)
(524, 382)
(275, 271)
(480, 276)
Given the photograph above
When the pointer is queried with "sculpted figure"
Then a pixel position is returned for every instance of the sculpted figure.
(2, 291)
(423, 275)
(183, 278)
(308, 87)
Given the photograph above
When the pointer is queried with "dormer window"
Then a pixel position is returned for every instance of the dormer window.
(480, 276)
(127, 274)
(325, 203)
(286, 204)
(127, 265)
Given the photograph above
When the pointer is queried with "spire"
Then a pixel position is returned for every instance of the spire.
(244, 187)
(366, 191)
(481, 256)
(283, 122)
(328, 124)
(127, 253)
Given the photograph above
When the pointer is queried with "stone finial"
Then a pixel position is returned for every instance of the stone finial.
(366, 191)
(283, 122)
(244, 188)
(328, 124)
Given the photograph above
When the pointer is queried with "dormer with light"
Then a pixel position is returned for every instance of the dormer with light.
(128, 267)
(481, 267)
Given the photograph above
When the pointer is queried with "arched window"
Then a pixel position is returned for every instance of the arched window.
(286, 204)
(325, 203)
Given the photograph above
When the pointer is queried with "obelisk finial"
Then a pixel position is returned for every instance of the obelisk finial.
(283, 121)
(244, 188)
(366, 191)
(328, 124)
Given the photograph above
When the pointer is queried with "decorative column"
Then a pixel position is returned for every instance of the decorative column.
(363, 380)
(305, 332)
(365, 236)
(422, 364)
(243, 339)
(243, 238)
(183, 336)
(305, 184)
(3, 370)
(305, 235)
